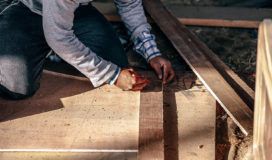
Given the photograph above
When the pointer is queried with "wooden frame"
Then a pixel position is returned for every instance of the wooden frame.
(263, 105)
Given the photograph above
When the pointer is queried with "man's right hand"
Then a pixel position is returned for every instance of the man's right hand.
(128, 79)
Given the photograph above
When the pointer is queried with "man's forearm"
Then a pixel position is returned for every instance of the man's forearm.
(133, 16)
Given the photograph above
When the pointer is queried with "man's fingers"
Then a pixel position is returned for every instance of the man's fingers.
(131, 69)
(140, 80)
(165, 73)
(139, 87)
(137, 75)
(158, 70)
(171, 76)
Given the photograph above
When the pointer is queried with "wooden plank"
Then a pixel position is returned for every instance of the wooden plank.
(202, 67)
(196, 110)
(151, 144)
(204, 16)
(227, 13)
(66, 156)
(263, 105)
(68, 114)
(221, 16)
(240, 87)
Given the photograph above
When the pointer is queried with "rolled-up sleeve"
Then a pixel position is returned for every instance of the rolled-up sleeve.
(58, 16)
(133, 16)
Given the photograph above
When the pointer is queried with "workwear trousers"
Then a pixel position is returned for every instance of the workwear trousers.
(23, 48)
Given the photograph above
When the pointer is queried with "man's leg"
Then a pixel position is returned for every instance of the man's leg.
(22, 51)
(94, 31)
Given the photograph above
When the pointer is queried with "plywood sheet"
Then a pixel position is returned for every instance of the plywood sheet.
(196, 118)
(69, 114)
(195, 109)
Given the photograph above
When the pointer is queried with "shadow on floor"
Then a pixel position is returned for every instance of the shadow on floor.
(53, 88)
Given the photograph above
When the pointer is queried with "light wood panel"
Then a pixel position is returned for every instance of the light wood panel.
(200, 64)
(263, 105)
(196, 118)
(70, 115)
(195, 110)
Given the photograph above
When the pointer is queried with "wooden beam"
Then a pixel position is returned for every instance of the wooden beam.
(220, 16)
(240, 87)
(201, 65)
(263, 106)
(204, 16)
(151, 144)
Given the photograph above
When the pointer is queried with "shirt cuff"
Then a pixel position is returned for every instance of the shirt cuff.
(146, 46)
(113, 79)
(155, 54)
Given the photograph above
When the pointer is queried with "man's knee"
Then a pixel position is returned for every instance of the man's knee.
(17, 91)
(15, 79)
(7, 94)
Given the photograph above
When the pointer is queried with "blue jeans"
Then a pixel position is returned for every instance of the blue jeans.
(23, 47)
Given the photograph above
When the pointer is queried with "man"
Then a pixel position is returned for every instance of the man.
(81, 36)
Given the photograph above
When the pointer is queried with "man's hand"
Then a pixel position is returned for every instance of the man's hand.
(163, 68)
(128, 79)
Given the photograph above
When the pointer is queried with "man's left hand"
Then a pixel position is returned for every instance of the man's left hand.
(163, 68)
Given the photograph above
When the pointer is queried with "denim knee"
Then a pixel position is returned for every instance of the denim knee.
(15, 79)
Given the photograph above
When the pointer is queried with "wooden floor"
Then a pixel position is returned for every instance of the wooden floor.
(68, 119)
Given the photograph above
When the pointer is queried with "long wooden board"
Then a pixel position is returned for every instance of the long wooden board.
(200, 64)
(204, 16)
(263, 106)
(220, 16)
(151, 143)
(66, 156)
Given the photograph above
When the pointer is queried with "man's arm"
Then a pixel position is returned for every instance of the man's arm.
(58, 16)
(133, 16)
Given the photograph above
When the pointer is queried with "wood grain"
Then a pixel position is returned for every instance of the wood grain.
(66, 156)
(67, 113)
(196, 117)
(201, 65)
(151, 144)
(190, 112)
(263, 105)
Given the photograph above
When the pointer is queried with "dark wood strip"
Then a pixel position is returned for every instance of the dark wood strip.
(151, 144)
